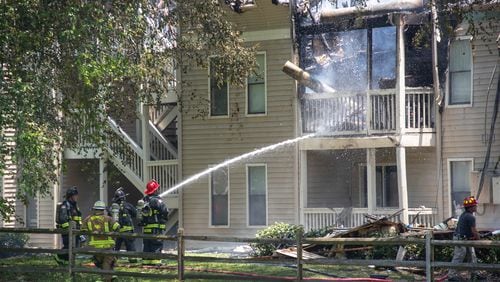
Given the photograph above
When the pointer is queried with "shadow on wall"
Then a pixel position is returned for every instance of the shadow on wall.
(84, 174)
(116, 179)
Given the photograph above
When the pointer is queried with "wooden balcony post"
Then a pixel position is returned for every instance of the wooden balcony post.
(402, 185)
(180, 254)
(103, 178)
(145, 142)
(400, 74)
(303, 186)
(371, 183)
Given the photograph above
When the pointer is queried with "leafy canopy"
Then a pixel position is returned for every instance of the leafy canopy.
(63, 62)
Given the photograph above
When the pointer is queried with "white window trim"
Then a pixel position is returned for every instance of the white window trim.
(248, 200)
(265, 90)
(448, 86)
(210, 201)
(210, 96)
(449, 161)
(361, 180)
(37, 199)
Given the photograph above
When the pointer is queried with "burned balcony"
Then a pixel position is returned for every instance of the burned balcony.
(364, 113)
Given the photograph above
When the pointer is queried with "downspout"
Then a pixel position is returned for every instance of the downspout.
(297, 128)
(438, 102)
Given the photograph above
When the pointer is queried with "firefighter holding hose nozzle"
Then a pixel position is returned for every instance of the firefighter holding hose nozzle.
(153, 215)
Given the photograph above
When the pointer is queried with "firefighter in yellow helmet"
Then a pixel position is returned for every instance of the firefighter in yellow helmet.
(100, 222)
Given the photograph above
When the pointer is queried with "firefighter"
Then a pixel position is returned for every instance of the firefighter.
(124, 212)
(154, 214)
(466, 230)
(100, 222)
(67, 213)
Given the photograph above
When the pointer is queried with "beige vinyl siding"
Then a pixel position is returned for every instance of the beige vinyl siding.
(9, 181)
(464, 128)
(265, 16)
(209, 141)
(421, 173)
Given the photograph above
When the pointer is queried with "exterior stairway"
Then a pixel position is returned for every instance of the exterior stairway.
(158, 160)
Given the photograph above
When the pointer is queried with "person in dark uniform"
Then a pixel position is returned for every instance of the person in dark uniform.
(124, 213)
(154, 214)
(466, 230)
(66, 213)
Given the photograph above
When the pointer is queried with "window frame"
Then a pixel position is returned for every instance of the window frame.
(210, 225)
(210, 116)
(247, 192)
(448, 84)
(265, 90)
(364, 194)
(449, 161)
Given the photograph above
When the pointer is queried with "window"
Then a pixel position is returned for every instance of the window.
(219, 197)
(460, 186)
(460, 73)
(31, 218)
(354, 60)
(256, 87)
(386, 186)
(383, 52)
(257, 194)
(219, 100)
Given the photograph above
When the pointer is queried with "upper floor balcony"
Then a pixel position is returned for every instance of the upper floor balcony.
(366, 113)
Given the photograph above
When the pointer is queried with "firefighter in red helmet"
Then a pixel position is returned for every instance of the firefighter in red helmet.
(153, 215)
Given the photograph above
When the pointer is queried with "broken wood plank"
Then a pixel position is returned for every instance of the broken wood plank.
(292, 252)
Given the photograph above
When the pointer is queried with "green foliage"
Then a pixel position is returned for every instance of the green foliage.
(65, 66)
(489, 255)
(278, 230)
(12, 240)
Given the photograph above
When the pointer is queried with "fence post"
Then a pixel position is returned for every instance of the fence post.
(429, 256)
(299, 254)
(71, 246)
(180, 254)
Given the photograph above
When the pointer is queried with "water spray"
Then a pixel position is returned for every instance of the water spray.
(234, 160)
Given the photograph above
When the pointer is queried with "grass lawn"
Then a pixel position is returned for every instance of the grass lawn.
(170, 267)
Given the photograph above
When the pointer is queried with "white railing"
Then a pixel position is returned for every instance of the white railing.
(165, 172)
(317, 218)
(156, 111)
(123, 149)
(334, 113)
(128, 156)
(159, 147)
(351, 114)
(419, 106)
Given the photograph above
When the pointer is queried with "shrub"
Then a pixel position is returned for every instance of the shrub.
(278, 230)
(12, 240)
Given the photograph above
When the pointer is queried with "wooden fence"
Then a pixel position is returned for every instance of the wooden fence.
(428, 264)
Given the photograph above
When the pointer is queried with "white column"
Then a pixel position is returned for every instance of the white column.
(303, 186)
(371, 183)
(400, 74)
(103, 179)
(145, 142)
(402, 186)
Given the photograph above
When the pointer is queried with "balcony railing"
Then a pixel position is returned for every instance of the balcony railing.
(351, 114)
(317, 218)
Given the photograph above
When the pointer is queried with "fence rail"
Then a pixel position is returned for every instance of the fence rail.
(72, 269)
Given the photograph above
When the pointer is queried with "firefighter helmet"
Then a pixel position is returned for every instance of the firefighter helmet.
(71, 192)
(151, 187)
(470, 202)
(99, 205)
(119, 194)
